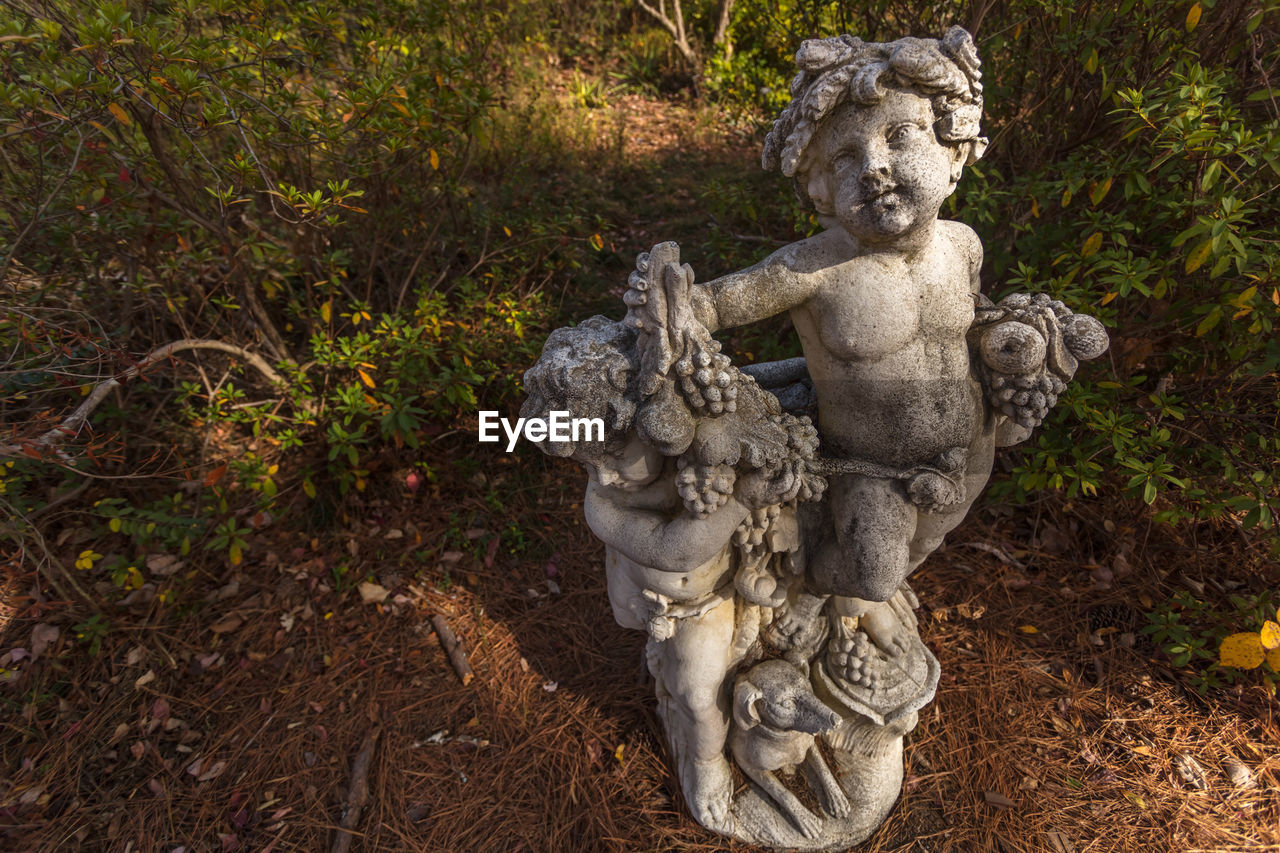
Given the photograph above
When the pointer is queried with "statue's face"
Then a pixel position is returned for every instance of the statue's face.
(880, 170)
(635, 465)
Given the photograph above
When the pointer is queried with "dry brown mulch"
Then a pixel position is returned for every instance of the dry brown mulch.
(231, 718)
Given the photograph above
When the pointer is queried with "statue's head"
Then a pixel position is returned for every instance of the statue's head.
(877, 135)
(589, 371)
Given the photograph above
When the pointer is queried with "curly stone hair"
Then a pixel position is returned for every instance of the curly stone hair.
(845, 68)
(586, 370)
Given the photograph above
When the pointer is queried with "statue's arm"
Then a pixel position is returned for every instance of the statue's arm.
(651, 539)
(771, 287)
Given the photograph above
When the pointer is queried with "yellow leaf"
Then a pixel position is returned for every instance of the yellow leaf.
(1198, 255)
(121, 116)
(506, 230)
(435, 159)
(309, 488)
(1269, 636)
(617, 753)
(326, 311)
(367, 379)
(1035, 208)
(1246, 296)
(1066, 197)
(360, 484)
(1099, 192)
(1091, 64)
(114, 524)
(1029, 629)
(1273, 659)
(236, 555)
(1110, 296)
(1193, 17)
(1241, 651)
(1091, 245)
(135, 579)
(596, 242)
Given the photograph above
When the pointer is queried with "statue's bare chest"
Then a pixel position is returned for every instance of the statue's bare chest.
(868, 308)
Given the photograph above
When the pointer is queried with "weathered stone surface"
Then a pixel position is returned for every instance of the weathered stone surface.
(767, 559)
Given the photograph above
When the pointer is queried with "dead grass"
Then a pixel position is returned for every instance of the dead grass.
(1038, 741)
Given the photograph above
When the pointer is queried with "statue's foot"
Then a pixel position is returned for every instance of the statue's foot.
(708, 790)
(834, 800)
(882, 624)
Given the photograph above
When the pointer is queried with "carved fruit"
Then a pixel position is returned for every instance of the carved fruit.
(1084, 336)
(1012, 348)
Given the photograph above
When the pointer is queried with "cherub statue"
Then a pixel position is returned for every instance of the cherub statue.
(672, 542)
(710, 498)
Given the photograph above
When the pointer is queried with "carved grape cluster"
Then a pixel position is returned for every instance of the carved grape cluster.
(1025, 306)
(1026, 398)
(704, 488)
(708, 383)
(751, 532)
(850, 660)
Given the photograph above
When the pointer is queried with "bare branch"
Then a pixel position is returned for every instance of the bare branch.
(75, 421)
(675, 27)
(722, 38)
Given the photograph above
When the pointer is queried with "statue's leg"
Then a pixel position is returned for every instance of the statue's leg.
(695, 662)
(931, 527)
(869, 555)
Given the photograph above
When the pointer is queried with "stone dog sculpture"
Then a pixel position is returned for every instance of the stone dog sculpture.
(765, 557)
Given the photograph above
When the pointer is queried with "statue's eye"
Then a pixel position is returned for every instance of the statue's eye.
(900, 134)
(845, 161)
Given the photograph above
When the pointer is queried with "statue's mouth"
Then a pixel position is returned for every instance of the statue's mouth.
(883, 194)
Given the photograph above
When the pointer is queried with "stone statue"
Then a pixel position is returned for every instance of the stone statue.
(766, 559)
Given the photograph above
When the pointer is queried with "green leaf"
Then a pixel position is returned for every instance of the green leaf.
(1210, 320)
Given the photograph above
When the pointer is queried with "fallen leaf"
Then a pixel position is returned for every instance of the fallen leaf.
(1239, 775)
(213, 772)
(551, 686)
(227, 624)
(155, 786)
(1242, 651)
(1190, 771)
(138, 749)
(372, 593)
(145, 679)
(44, 635)
(1135, 799)
(1029, 629)
(1269, 637)
(163, 565)
(1059, 843)
(1000, 801)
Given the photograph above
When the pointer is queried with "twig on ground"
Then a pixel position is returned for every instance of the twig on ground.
(72, 424)
(457, 654)
(357, 793)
